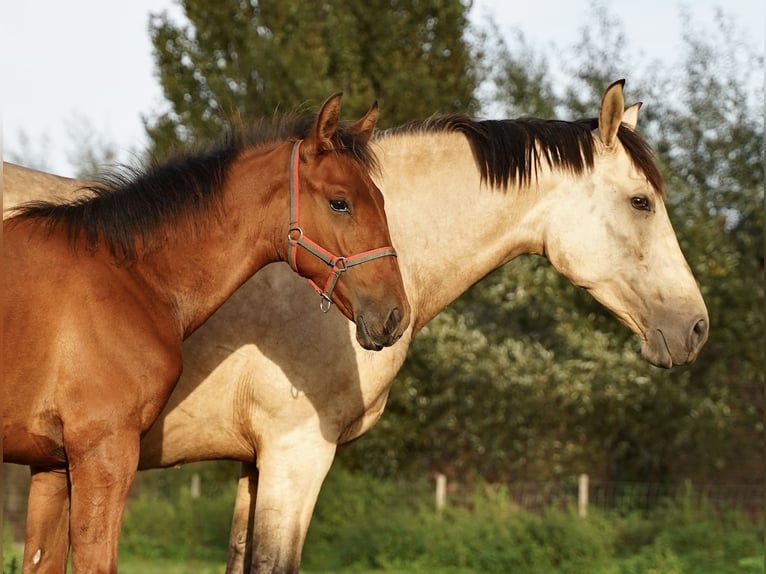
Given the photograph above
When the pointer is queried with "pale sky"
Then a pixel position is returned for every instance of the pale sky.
(89, 61)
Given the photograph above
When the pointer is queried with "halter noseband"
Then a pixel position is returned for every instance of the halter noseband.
(296, 238)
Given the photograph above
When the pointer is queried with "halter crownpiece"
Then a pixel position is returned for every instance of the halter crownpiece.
(297, 238)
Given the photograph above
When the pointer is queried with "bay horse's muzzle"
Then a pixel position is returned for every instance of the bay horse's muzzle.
(392, 328)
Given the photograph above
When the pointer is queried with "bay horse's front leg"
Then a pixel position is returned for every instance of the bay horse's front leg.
(289, 480)
(240, 537)
(46, 545)
(101, 474)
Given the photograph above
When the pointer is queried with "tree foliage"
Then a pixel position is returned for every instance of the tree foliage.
(526, 377)
(248, 59)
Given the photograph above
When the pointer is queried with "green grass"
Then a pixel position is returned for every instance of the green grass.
(364, 526)
(135, 565)
(652, 562)
(12, 557)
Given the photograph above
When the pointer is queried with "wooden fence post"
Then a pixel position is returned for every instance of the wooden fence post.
(195, 489)
(441, 491)
(582, 496)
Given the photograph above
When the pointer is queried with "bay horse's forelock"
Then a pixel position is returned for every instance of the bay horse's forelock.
(292, 390)
(102, 288)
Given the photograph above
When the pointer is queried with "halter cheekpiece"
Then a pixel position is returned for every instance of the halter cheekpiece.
(297, 238)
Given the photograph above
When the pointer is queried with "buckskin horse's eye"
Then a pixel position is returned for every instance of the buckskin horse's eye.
(339, 205)
(640, 203)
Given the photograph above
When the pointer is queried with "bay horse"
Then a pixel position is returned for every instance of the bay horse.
(463, 197)
(101, 290)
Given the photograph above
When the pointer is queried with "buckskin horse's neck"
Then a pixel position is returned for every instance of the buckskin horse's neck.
(194, 272)
(450, 230)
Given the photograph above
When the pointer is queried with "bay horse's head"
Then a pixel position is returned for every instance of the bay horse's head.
(338, 236)
(609, 232)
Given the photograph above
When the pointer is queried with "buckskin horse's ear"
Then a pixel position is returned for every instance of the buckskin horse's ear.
(365, 126)
(325, 127)
(630, 117)
(610, 115)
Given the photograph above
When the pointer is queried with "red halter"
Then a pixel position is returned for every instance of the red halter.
(296, 238)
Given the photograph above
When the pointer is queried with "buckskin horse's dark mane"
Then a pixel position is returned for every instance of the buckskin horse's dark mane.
(511, 151)
(131, 203)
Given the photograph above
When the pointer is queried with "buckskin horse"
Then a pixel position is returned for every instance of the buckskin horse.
(101, 290)
(280, 390)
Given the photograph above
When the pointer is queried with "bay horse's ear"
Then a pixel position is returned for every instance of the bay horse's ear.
(320, 139)
(610, 115)
(365, 126)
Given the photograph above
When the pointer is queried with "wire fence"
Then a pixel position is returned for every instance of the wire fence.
(584, 493)
(580, 493)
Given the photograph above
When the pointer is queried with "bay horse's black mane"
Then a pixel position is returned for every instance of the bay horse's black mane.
(131, 203)
(511, 151)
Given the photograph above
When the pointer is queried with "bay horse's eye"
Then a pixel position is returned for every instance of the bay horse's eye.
(339, 205)
(640, 203)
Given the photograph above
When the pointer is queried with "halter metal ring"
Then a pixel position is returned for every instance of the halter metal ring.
(340, 265)
(325, 303)
(290, 233)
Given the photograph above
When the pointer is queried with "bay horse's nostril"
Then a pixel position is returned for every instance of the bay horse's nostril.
(393, 321)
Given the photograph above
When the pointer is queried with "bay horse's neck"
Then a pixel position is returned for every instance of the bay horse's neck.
(450, 228)
(201, 264)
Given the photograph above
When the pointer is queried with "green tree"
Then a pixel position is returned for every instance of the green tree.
(89, 152)
(249, 59)
(520, 78)
(527, 377)
(714, 150)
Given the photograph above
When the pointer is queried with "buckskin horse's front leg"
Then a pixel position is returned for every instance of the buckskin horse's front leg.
(289, 480)
(47, 530)
(240, 539)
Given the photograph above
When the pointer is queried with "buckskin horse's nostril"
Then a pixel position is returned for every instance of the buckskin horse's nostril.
(698, 334)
